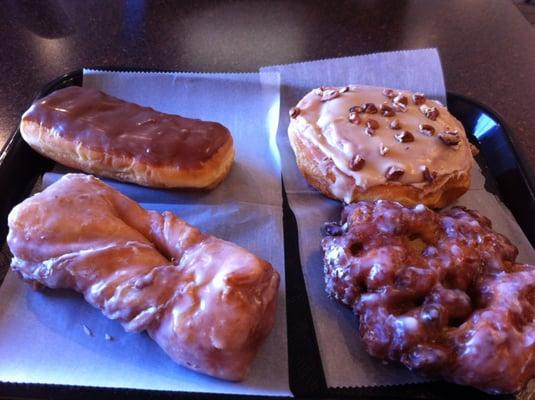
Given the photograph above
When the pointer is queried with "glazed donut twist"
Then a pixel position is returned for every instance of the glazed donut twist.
(208, 303)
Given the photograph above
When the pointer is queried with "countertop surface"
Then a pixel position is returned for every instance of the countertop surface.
(487, 47)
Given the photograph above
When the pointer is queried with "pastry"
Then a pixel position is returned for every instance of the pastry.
(208, 303)
(88, 130)
(440, 293)
(366, 143)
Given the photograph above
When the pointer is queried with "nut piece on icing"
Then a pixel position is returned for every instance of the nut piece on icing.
(373, 124)
(451, 138)
(418, 98)
(399, 107)
(329, 94)
(395, 124)
(357, 109)
(426, 129)
(386, 110)
(294, 112)
(383, 149)
(370, 108)
(394, 173)
(389, 93)
(430, 112)
(404, 137)
(369, 131)
(401, 99)
(357, 163)
(354, 118)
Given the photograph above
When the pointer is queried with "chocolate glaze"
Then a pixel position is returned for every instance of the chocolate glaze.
(105, 123)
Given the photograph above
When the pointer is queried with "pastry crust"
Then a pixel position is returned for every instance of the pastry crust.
(89, 141)
(324, 142)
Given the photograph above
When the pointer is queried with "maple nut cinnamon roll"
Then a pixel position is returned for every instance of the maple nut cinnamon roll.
(366, 143)
(89, 130)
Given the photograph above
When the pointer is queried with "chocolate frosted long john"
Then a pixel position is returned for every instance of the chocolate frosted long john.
(90, 130)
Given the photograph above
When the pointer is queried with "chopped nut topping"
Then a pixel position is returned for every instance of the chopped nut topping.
(373, 124)
(418, 98)
(430, 112)
(318, 91)
(386, 110)
(395, 124)
(451, 138)
(389, 93)
(294, 112)
(344, 89)
(354, 118)
(357, 109)
(357, 163)
(370, 108)
(383, 149)
(393, 173)
(369, 131)
(426, 129)
(401, 99)
(329, 95)
(404, 137)
(427, 175)
(399, 107)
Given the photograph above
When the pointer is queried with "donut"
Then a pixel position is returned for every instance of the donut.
(367, 143)
(208, 303)
(440, 293)
(87, 129)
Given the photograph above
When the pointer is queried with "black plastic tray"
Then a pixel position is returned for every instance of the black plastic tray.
(20, 167)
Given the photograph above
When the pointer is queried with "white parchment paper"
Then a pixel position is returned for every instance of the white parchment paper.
(344, 360)
(42, 339)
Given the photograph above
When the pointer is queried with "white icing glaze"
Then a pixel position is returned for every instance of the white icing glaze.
(207, 302)
(326, 125)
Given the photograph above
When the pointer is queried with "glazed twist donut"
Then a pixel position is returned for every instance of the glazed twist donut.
(439, 292)
(208, 303)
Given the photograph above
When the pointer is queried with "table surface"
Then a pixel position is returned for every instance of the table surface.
(487, 47)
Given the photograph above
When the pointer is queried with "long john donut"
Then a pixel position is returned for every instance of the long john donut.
(89, 130)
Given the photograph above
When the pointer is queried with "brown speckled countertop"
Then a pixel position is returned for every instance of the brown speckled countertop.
(487, 47)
